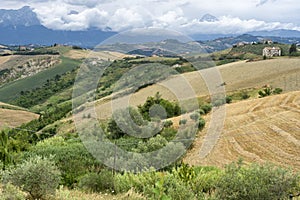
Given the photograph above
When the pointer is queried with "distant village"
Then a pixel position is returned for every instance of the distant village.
(270, 51)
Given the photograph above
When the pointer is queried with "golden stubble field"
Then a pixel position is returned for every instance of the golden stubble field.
(12, 116)
(259, 130)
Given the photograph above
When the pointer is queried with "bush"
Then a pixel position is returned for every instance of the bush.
(201, 124)
(11, 192)
(182, 121)
(206, 108)
(245, 95)
(256, 182)
(154, 185)
(195, 116)
(168, 124)
(38, 176)
(228, 99)
(93, 182)
(277, 91)
(201, 112)
(71, 157)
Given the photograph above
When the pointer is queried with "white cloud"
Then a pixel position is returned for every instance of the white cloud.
(236, 16)
(234, 25)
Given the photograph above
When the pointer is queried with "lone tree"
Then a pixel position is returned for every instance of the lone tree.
(293, 49)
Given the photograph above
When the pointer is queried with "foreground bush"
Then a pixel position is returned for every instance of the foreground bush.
(256, 182)
(154, 185)
(38, 176)
(93, 182)
(11, 192)
(71, 157)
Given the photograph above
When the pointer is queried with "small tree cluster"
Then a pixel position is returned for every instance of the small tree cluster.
(269, 91)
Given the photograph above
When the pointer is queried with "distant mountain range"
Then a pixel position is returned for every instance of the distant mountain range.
(21, 27)
(22, 17)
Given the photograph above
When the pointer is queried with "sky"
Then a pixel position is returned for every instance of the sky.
(235, 16)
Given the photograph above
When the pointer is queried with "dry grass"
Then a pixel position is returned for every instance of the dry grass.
(4, 59)
(14, 118)
(64, 194)
(104, 55)
(257, 130)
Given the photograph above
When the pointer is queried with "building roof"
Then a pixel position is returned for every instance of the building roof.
(272, 48)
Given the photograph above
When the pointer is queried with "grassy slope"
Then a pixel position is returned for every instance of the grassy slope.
(13, 89)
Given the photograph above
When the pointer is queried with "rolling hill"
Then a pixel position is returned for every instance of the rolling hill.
(282, 73)
(260, 130)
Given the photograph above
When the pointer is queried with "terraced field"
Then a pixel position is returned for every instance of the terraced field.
(260, 130)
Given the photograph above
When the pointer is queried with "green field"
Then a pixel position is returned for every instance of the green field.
(10, 91)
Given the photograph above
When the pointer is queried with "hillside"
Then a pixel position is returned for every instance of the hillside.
(13, 116)
(282, 73)
(260, 130)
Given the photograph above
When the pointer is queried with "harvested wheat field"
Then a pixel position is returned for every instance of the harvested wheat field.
(13, 118)
(260, 130)
(105, 55)
(4, 59)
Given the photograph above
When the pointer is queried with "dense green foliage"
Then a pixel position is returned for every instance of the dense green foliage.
(256, 182)
(293, 49)
(171, 109)
(71, 158)
(38, 176)
(38, 95)
(97, 182)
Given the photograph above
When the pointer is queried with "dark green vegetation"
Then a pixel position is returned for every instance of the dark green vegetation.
(267, 91)
(293, 51)
(13, 90)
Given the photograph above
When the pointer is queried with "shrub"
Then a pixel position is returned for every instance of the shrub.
(219, 102)
(206, 108)
(195, 116)
(182, 121)
(201, 124)
(277, 91)
(154, 185)
(245, 95)
(38, 176)
(228, 99)
(168, 124)
(71, 157)
(93, 182)
(256, 182)
(201, 112)
(11, 192)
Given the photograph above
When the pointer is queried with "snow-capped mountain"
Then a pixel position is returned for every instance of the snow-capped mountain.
(209, 18)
